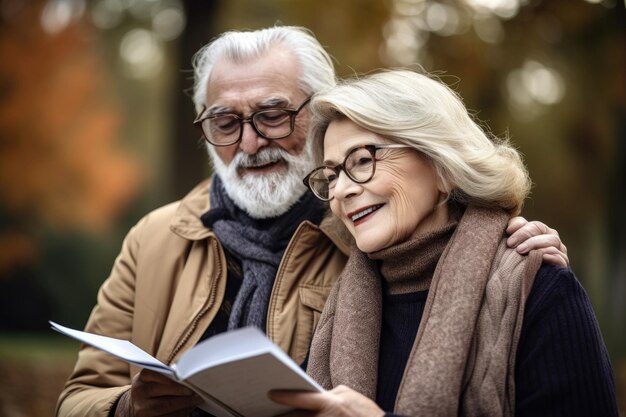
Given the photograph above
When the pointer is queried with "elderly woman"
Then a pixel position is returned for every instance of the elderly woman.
(434, 315)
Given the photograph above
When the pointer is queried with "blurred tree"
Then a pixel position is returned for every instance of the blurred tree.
(60, 163)
(189, 156)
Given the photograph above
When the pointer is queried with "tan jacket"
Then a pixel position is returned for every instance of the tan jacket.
(167, 285)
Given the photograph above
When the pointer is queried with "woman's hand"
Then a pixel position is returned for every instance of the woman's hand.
(152, 394)
(526, 236)
(339, 402)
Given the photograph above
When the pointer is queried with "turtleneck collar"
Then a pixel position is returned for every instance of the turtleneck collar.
(409, 266)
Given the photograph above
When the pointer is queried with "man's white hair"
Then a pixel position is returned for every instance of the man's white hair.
(316, 67)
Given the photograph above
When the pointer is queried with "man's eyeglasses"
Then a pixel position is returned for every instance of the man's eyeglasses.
(359, 165)
(226, 129)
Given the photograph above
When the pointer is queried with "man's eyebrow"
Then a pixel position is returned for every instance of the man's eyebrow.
(218, 110)
(273, 102)
(269, 103)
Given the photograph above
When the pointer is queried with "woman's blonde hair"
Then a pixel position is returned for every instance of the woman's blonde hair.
(421, 111)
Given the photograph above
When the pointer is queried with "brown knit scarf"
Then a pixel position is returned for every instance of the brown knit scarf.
(403, 270)
(463, 358)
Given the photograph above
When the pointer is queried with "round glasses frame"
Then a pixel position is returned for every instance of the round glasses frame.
(342, 167)
(252, 119)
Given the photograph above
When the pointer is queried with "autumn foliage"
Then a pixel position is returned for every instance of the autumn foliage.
(61, 160)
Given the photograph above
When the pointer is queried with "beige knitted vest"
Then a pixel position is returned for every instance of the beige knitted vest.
(462, 361)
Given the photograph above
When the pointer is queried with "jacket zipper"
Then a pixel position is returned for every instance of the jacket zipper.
(279, 274)
(208, 304)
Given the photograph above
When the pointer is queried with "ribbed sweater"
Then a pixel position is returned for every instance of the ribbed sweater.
(562, 366)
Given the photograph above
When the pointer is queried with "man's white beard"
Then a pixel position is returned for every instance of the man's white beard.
(264, 195)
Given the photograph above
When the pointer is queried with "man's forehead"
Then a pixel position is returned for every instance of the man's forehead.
(253, 91)
(268, 80)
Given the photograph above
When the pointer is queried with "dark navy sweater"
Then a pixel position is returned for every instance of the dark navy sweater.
(562, 366)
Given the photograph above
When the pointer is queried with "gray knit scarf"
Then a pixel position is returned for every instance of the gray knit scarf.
(259, 244)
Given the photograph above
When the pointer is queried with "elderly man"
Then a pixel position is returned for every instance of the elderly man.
(249, 247)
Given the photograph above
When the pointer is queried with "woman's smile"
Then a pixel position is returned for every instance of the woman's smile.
(361, 215)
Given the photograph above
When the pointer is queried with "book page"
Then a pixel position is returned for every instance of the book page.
(122, 349)
(233, 346)
(238, 368)
(223, 347)
(243, 384)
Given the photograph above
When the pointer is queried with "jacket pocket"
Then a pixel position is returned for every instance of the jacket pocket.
(312, 300)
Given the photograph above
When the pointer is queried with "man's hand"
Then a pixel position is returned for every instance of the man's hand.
(152, 394)
(526, 236)
(339, 402)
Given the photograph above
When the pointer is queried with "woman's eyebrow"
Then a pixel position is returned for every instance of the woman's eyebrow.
(333, 163)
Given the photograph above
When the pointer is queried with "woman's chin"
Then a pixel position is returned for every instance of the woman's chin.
(368, 246)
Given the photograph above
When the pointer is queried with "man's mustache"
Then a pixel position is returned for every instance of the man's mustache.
(263, 157)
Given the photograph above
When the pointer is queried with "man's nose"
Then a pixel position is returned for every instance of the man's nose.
(251, 141)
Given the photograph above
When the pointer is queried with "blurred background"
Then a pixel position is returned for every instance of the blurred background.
(95, 130)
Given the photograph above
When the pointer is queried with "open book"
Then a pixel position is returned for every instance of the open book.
(232, 371)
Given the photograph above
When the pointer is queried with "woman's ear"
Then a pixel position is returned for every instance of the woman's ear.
(444, 185)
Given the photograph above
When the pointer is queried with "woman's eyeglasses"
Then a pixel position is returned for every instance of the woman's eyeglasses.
(359, 165)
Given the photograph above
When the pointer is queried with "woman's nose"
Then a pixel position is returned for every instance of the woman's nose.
(345, 187)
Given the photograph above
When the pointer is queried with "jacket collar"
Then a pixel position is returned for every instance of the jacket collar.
(337, 232)
(187, 224)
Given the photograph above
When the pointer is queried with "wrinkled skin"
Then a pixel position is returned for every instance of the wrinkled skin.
(526, 236)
